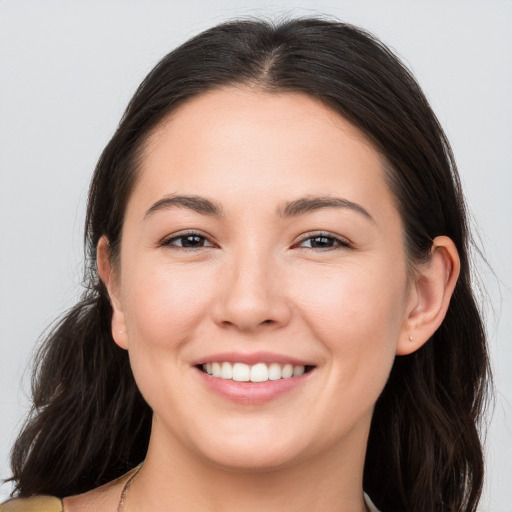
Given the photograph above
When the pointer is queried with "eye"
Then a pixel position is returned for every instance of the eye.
(187, 241)
(323, 241)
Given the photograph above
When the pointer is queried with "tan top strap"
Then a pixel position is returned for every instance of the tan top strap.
(35, 504)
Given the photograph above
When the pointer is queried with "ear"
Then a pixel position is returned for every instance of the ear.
(430, 295)
(110, 279)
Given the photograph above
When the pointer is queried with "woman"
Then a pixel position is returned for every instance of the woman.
(279, 312)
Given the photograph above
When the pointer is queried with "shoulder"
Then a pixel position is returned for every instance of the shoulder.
(34, 504)
(104, 498)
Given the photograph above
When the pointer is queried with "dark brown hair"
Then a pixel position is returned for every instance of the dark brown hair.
(90, 424)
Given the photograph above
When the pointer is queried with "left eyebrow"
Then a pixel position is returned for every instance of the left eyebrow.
(312, 203)
(195, 203)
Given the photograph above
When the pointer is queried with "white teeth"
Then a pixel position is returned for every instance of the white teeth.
(226, 371)
(216, 369)
(241, 372)
(274, 371)
(287, 371)
(298, 370)
(259, 372)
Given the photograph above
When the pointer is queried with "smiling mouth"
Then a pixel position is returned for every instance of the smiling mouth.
(259, 372)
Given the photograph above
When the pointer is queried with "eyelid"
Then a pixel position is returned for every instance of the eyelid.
(341, 242)
(166, 241)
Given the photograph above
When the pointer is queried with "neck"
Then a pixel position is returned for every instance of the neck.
(329, 482)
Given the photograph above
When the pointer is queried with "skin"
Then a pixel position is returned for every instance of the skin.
(261, 280)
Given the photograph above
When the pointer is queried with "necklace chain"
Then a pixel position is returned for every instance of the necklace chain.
(124, 492)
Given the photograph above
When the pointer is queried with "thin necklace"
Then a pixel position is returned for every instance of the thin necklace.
(124, 492)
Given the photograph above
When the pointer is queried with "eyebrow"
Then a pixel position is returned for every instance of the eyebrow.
(313, 203)
(195, 203)
(294, 208)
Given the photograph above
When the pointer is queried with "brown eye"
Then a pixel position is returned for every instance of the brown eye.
(322, 241)
(188, 241)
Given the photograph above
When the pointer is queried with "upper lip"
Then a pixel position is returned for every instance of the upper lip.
(252, 358)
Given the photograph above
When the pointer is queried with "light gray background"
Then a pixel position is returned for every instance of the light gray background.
(67, 70)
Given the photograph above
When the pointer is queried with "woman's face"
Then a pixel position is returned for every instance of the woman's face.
(261, 236)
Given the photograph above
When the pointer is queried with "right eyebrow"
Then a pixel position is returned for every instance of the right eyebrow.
(195, 203)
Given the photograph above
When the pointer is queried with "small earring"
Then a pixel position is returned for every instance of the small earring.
(122, 332)
(411, 338)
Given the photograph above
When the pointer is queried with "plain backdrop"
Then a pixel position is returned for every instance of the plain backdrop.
(68, 69)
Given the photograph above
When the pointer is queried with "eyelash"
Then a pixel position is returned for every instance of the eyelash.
(327, 238)
(337, 243)
(187, 234)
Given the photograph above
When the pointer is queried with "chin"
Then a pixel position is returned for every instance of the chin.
(253, 461)
(253, 452)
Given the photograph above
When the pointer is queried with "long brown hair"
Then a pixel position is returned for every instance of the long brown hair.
(89, 423)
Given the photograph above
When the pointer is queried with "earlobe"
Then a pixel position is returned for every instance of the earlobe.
(110, 280)
(430, 295)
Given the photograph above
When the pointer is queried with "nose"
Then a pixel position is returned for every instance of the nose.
(252, 296)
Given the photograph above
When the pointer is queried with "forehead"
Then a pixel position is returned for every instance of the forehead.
(241, 143)
(232, 113)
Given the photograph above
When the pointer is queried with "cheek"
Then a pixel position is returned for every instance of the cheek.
(353, 300)
(357, 315)
(163, 311)
(163, 306)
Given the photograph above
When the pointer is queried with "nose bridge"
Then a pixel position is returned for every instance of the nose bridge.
(252, 293)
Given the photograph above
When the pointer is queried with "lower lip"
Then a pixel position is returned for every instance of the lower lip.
(252, 392)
